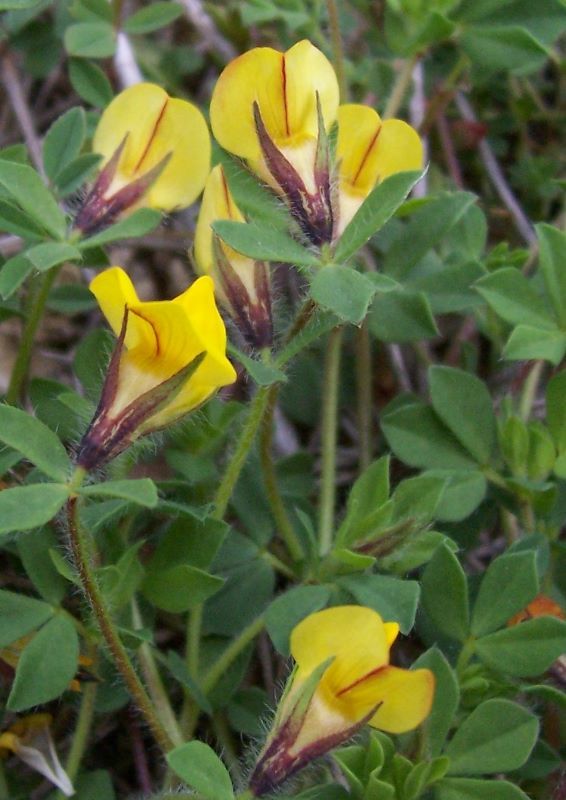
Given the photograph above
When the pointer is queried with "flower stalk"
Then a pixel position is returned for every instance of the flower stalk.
(81, 547)
(329, 438)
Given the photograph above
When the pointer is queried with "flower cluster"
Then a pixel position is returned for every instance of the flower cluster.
(274, 110)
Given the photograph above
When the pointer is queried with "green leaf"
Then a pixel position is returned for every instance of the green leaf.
(512, 297)
(18, 5)
(180, 588)
(503, 48)
(35, 441)
(369, 492)
(374, 212)
(289, 609)
(201, 769)
(417, 498)
(28, 190)
(20, 614)
(417, 437)
(152, 18)
(33, 549)
(257, 202)
(46, 666)
(90, 40)
(508, 585)
(445, 594)
(63, 141)
(425, 229)
(343, 291)
(141, 491)
(464, 405)
(394, 600)
(498, 736)
(526, 649)
(476, 789)
(139, 223)
(75, 174)
(262, 373)
(401, 316)
(14, 272)
(26, 507)
(527, 342)
(90, 82)
(264, 243)
(463, 492)
(556, 409)
(446, 698)
(552, 247)
(14, 220)
(49, 254)
(179, 670)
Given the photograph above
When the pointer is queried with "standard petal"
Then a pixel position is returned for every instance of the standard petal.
(114, 291)
(355, 635)
(156, 126)
(135, 113)
(254, 76)
(217, 203)
(406, 698)
(284, 85)
(371, 150)
(308, 72)
(183, 132)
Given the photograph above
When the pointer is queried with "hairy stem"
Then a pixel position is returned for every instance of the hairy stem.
(364, 395)
(80, 546)
(329, 435)
(39, 292)
(282, 521)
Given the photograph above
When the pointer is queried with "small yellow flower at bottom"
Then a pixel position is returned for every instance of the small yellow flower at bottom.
(29, 738)
(342, 681)
(170, 358)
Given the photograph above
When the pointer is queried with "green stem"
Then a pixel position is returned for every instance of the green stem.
(529, 390)
(4, 791)
(337, 47)
(329, 434)
(39, 292)
(247, 795)
(364, 394)
(400, 88)
(466, 653)
(225, 740)
(278, 565)
(81, 734)
(193, 640)
(245, 441)
(154, 684)
(231, 653)
(282, 521)
(80, 546)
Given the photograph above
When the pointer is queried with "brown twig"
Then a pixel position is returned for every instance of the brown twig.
(20, 106)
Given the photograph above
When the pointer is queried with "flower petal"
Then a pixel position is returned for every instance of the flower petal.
(217, 203)
(114, 291)
(157, 126)
(354, 634)
(284, 85)
(406, 697)
(391, 632)
(371, 150)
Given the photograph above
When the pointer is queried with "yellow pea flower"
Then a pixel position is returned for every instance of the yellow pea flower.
(369, 150)
(342, 680)
(170, 358)
(274, 109)
(243, 285)
(29, 738)
(155, 153)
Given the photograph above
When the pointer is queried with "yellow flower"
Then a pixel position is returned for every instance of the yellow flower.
(274, 110)
(242, 285)
(170, 358)
(30, 739)
(369, 150)
(156, 154)
(346, 651)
